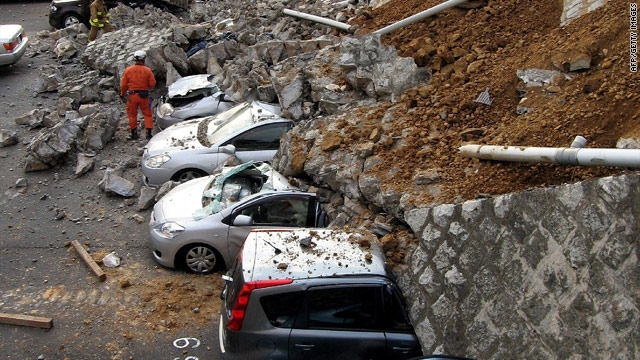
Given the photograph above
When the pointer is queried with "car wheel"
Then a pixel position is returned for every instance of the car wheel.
(200, 259)
(70, 19)
(189, 174)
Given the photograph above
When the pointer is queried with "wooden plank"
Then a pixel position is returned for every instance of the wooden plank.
(26, 320)
(89, 260)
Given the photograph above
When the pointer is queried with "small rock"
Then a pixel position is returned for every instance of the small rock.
(111, 260)
(20, 183)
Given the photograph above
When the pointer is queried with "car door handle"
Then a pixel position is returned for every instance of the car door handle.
(305, 347)
(401, 349)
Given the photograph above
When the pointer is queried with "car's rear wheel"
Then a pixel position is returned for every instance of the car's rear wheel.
(200, 259)
(188, 174)
(70, 19)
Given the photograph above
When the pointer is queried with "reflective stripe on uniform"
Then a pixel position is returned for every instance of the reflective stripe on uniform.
(100, 25)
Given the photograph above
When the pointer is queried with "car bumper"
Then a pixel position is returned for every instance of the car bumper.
(164, 250)
(16, 54)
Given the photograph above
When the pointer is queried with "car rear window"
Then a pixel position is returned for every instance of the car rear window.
(282, 309)
(236, 285)
(343, 308)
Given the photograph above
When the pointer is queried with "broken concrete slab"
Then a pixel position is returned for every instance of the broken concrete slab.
(8, 138)
(114, 184)
(33, 119)
(84, 163)
(147, 198)
(116, 49)
(573, 9)
(50, 145)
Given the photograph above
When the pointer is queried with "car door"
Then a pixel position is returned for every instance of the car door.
(274, 211)
(401, 340)
(259, 143)
(339, 322)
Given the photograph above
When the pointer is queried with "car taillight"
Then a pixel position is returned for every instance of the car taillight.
(10, 46)
(240, 307)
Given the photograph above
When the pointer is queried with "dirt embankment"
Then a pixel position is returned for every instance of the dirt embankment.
(470, 51)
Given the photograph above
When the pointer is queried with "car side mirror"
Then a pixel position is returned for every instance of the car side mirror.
(228, 149)
(243, 220)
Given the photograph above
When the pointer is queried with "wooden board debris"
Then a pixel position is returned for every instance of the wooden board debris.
(26, 320)
(89, 261)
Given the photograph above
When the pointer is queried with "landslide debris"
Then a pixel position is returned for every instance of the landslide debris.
(470, 51)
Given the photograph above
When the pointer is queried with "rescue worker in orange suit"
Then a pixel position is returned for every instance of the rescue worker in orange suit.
(136, 81)
(99, 19)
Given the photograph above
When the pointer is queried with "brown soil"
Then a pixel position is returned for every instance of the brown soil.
(499, 39)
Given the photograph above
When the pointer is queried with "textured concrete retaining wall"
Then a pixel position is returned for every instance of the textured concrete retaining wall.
(575, 8)
(544, 274)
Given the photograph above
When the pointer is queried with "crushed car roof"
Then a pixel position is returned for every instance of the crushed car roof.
(311, 253)
(215, 194)
(186, 84)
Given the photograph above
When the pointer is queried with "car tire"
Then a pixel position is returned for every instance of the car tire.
(70, 19)
(200, 259)
(188, 174)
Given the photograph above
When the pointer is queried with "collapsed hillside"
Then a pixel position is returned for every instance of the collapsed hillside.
(470, 50)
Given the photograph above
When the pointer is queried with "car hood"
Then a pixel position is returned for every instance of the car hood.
(183, 200)
(181, 136)
(183, 85)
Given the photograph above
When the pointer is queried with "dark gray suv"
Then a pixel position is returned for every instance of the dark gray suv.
(313, 294)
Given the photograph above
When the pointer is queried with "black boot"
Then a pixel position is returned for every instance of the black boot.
(149, 134)
(134, 135)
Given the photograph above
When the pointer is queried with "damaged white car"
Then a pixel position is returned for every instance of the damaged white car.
(194, 148)
(201, 224)
(14, 43)
(190, 97)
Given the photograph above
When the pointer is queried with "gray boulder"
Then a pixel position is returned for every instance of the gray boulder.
(147, 198)
(84, 163)
(116, 185)
(8, 138)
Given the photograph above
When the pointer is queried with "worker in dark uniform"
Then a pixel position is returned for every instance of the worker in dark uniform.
(136, 82)
(99, 19)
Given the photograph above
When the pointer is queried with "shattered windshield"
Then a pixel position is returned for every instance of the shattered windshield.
(232, 185)
(219, 127)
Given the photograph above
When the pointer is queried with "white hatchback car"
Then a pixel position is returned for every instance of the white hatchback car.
(201, 224)
(14, 43)
(194, 148)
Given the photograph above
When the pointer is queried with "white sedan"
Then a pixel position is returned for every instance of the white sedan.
(14, 43)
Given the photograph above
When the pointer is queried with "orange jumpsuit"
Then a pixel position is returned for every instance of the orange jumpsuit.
(137, 77)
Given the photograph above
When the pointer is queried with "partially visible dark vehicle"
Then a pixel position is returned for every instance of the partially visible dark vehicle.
(64, 13)
(307, 294)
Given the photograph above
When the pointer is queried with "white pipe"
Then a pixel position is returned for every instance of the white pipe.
(344, 3)
(565, 156)
(318, 19)
(419, 16)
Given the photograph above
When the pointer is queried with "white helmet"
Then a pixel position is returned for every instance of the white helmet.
(139, 55)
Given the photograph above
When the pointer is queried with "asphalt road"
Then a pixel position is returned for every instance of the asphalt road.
(41, 276)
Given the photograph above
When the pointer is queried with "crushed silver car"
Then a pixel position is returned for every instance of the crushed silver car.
(190, 97)
(194, 148)
(201, 224)
(14, 43)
